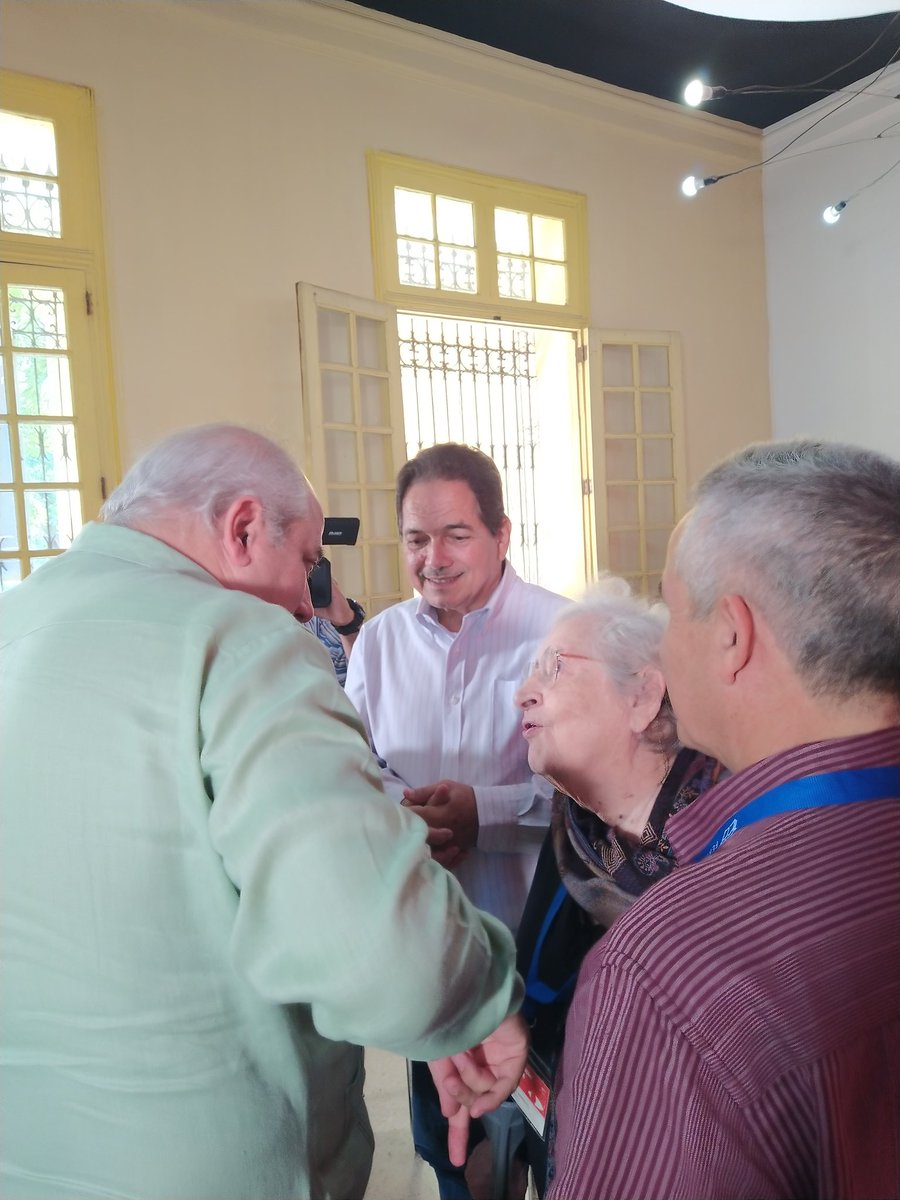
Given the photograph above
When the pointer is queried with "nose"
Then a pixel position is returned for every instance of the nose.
(304, 610)
(436, 556)
(526, 694)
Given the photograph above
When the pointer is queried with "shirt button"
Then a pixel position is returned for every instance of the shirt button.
(454, 699)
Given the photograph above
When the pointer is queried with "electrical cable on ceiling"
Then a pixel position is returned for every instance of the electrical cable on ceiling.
(699, 92)
(833, 212)
(693, 184)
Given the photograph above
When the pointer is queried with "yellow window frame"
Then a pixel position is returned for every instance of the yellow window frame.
(75, 263)
(651, 534)
(486, 193)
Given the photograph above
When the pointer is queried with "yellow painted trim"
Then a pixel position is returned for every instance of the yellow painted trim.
(71, 281)
(634, 340)
(485, 192)
(585, 451)
(311, 300)
(71, 108)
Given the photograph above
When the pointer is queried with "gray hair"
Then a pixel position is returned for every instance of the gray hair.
(202, 470)
(624, 632)
(809, 532)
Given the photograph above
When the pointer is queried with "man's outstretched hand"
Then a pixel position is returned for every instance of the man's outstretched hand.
(479, 1080)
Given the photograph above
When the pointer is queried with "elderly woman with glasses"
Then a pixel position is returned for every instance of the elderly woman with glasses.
(599, 727)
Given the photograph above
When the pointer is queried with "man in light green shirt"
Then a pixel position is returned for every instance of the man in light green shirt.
(206, 904)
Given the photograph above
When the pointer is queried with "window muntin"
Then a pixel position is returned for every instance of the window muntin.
(435, 241)
(353, 428)
(455, 242)
(639, 455)
(41, 507)
(29, 180)
(531, 256)
(57, 425)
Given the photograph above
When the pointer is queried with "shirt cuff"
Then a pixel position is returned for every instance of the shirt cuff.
(510, 817)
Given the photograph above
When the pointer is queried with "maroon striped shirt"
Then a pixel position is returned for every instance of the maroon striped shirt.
(737, 1033)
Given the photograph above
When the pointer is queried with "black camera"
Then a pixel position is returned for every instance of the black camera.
(338, 531)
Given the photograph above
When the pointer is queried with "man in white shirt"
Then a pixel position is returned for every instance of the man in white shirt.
(434, 680)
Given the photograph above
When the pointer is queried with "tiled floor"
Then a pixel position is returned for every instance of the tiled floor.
(396, 1172)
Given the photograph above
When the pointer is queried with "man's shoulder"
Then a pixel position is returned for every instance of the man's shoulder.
(530, 602)
(536, 592)
(756, 916)
(155, 587)
(156, 618)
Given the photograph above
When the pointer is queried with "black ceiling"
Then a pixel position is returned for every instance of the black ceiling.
(654, 47)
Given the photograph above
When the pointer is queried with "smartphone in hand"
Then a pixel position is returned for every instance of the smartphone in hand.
(320, 584)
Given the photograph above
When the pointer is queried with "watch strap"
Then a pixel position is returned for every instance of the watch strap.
(359, 615)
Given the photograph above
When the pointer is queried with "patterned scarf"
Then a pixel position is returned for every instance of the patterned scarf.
(605, 872)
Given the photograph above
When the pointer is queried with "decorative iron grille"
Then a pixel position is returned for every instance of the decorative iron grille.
(472, 382)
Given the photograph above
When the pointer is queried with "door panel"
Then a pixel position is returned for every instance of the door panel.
(50, 478)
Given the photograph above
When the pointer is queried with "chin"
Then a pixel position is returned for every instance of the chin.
(540, 767)
(439, 597)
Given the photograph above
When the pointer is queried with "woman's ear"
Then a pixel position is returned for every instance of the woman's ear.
(647, 698)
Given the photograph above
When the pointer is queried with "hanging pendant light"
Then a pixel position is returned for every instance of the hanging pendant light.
(788, 10)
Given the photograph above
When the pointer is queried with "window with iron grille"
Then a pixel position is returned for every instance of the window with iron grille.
(57, 442)
(472, 382)
(489, 279)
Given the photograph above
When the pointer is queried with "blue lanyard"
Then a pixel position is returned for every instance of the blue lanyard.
(814, 791)
(536, 990)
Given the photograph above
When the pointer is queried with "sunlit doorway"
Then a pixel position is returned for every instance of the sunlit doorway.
(511, 391)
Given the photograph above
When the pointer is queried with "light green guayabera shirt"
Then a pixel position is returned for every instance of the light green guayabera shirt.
(204, 895)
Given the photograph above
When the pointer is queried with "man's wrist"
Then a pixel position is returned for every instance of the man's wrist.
(353, 625)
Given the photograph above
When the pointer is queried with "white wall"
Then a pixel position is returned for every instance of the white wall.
(834, 290)
(232, 140)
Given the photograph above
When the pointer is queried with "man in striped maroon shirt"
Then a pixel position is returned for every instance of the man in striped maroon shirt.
(737, 1033)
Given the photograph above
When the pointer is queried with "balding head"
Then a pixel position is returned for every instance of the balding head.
(201, 470)
(235, 503)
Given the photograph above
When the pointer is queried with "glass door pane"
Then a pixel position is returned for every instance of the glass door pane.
(353, 422)
(638, 452)
(48, 454)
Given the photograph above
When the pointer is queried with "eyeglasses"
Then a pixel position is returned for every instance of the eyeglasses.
(546, 667)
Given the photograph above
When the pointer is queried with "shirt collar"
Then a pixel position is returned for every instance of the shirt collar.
(690, 830)
(118, 541)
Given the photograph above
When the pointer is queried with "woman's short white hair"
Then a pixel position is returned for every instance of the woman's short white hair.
(624, 632)
(202, 470)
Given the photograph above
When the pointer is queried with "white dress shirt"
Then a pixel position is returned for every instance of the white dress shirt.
(439, 705)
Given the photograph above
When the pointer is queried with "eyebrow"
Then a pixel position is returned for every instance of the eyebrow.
(444, 528)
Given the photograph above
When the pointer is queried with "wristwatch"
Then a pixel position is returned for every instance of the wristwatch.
(352, 626)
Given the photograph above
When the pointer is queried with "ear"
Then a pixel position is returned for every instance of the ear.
(241, 525)
(646, 699)
(503, 536)
(736, 635)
